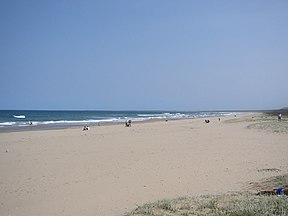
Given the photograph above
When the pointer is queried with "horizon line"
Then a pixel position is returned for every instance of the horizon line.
(149, 110)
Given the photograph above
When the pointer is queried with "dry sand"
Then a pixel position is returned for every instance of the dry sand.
(109, 170)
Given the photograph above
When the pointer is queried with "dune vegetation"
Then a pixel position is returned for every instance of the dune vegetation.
(232, 204)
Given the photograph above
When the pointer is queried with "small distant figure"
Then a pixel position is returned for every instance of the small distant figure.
(128, 123)
(30, 123)
(235, 116)
(86, 128)
(207, 121)
(279, 117)
(219, 119)
(166, 120)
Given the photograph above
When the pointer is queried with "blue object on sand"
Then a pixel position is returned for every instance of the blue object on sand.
(279, 191)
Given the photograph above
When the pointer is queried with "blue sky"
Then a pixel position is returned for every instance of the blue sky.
(143, 55)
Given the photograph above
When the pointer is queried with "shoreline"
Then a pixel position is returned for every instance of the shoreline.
(62, 127)
(27, 120)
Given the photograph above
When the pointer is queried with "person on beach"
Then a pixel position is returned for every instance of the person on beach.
(128, 123)
(279, 117)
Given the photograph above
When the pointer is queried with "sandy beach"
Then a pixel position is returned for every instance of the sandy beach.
(110, 170)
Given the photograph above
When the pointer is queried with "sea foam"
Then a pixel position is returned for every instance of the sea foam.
(7, 123)
(19, 116)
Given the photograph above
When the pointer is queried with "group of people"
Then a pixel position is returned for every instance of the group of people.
(208, 121)
(86, 128)
(128, 123)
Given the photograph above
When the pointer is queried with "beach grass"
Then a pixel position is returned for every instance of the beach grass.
(230, 204)
(233, 204)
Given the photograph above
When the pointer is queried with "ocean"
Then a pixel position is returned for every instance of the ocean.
(13, 120)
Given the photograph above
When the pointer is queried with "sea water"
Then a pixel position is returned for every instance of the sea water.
(41, 119)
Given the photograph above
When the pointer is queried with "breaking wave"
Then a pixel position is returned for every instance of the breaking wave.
(19, 116)
(47, 119)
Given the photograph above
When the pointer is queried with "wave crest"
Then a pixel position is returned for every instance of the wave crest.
(19, 116)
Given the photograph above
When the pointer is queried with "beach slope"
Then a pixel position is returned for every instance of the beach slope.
(110, 170)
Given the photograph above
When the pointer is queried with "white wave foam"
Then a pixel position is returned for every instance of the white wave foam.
(77, 122)
(19, 116)
(115, 119)
(164, 115)
(161, 114)
(7, 123)
(155, 115)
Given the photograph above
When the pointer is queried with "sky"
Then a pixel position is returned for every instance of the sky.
(143, 55)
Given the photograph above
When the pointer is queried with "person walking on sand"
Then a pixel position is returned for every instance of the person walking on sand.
(279, 117)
